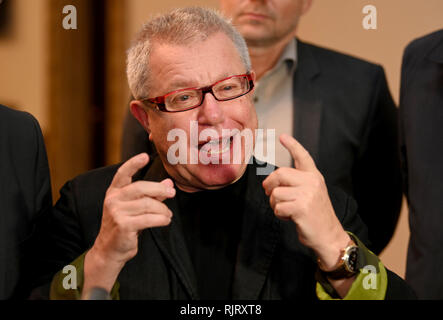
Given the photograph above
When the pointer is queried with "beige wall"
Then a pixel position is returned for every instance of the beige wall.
(338, 24)
(23, 81)
(140, 10)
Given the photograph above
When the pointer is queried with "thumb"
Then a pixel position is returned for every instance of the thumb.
(302, 159)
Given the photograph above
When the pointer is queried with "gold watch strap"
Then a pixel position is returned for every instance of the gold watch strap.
(340, 271)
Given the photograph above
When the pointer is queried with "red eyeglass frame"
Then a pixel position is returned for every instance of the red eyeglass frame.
(159, 102)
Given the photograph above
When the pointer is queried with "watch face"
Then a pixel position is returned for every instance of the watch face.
(352, 259)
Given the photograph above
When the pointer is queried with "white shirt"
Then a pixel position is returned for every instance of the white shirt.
(273, 99)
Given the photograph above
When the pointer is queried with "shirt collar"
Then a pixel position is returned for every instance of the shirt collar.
(288, 58)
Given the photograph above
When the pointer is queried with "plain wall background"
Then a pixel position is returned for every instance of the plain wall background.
(337, 24)
(23, 51)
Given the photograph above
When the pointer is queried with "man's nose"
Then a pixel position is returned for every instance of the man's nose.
(211, 110)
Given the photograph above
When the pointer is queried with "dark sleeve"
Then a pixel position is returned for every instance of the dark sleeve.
(409, 60)
(43, 199)
(401, 133)
(66, 228)
(60, 240)
(346, 210)
(74, 223)
(378, 184)
(135, 139)
(40, 184)
(398, 289)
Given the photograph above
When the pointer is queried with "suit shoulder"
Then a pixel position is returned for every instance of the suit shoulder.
(85, 194)
(16, 122)
(94, 183)
(425, 43)
(21, 137)
(96, 178)
(341, 65)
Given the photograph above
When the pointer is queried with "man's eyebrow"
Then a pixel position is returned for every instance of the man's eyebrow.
(184, 84)
(181, 84)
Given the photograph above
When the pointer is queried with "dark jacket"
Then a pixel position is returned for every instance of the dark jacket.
(421, 110)
(25, 198)
(345, 117)
(271, 262)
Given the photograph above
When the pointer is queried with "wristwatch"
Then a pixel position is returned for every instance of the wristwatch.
(348, 265)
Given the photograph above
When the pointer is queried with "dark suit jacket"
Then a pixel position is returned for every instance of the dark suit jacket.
(271, 263)
(421, 110)
(345, 117)
(25, 198)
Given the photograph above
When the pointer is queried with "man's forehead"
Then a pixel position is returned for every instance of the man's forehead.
(192, 81)
(198, 64)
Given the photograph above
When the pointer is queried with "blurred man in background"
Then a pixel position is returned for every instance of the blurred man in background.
(337, 106)
(421, 111)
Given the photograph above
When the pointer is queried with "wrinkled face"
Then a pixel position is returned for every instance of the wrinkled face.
(197, 65)
(265, 22)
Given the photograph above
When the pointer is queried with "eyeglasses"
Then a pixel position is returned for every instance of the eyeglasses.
(190, 98)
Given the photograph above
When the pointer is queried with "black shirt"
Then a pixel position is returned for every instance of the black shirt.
(211, 222)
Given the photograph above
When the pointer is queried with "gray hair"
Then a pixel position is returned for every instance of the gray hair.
(178, 27)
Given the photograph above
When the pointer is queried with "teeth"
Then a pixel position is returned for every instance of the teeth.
(213, 152)
(213, 147)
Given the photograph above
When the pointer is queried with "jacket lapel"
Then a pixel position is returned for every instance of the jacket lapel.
(170, 239)
(308, 104)
(260, 234)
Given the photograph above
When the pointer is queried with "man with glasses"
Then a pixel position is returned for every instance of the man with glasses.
(150, 229)
(339, 107)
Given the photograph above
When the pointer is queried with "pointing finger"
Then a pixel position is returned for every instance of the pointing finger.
(124, 174)
(302, 160)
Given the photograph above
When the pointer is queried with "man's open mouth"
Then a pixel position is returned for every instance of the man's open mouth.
(216, 147)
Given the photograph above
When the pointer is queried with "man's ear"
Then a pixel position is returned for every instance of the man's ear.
(253, 75)
(139, 112)
(306, 6)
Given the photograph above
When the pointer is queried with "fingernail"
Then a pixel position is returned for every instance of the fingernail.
(171, 192)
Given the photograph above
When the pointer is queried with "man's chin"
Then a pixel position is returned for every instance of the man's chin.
(216, 176)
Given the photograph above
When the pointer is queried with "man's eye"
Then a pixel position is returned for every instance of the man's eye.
(229, 87)
(183, 98)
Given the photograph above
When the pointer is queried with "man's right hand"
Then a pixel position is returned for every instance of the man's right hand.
(129, 208)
